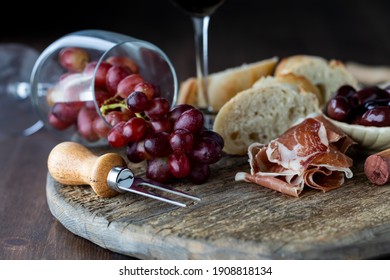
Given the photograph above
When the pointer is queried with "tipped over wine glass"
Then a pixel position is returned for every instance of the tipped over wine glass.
(66, 87)
(200, 12)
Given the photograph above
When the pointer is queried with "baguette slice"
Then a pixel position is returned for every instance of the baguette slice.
(223, 85)
(328, 76)
(264, 112)
(369, 74)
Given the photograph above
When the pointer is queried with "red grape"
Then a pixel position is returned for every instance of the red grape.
(212, 135)
(100, 127)
(199, 173)
(179, 165)
(132, 153)
(181, 140)
(115, 136)
(141, 150)
(146, 88)
(114, 75)
(101, 73)
(137, 101)
(56, 123)
(123, 62)
(157, 108)
(127, 84)
(206, 151)
(90, 104)
(191, 120)
(115, 117)
(136, 152)
(157, 144)
(85, 121)
(163, 124)
(67, 112)
(135, 129)
(73, 59)
(177, 110)
(157, 169)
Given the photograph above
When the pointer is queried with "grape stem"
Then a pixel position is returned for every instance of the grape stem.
(113, 106)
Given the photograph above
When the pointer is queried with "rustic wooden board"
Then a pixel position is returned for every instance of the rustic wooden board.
(234, 220)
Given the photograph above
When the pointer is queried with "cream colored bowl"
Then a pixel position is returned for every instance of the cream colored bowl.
(368, 137)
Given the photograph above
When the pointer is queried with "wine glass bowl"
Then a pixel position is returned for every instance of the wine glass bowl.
(69, 81)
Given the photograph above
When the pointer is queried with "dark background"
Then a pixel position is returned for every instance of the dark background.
(240, 31)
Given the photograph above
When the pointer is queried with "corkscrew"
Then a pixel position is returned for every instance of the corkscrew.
(71, 163)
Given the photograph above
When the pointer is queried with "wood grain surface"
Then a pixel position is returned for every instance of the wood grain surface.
(234, 220)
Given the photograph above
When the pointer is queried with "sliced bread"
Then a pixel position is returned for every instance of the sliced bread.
(328, 76)
(223, 85)
(264, 112)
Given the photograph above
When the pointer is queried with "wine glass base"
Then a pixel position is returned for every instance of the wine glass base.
(17, 114)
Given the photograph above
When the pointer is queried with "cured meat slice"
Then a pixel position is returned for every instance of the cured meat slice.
(326, 172)
(336, 136)
(270, 182)
(295, 149)
(311, 153)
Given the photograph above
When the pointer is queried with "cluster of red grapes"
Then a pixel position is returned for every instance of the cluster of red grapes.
(369, 106)
(83, 115)
(172, 140)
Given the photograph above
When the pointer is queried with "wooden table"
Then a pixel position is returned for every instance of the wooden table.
(238, 33)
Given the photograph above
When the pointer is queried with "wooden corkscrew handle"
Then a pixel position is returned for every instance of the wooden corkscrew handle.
(71, 163)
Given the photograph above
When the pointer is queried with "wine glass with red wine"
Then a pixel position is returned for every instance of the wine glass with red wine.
(200, 12)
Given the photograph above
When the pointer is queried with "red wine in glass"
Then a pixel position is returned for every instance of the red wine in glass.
(198, 8)
(200, 12)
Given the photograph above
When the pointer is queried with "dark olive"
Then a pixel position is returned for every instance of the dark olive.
(356, 119)
(346, 91)
(376, 103)
(379, 116)
(367, 94)
(338, 108)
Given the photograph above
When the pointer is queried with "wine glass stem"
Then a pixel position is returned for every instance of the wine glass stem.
(18, 90)
(201, 25)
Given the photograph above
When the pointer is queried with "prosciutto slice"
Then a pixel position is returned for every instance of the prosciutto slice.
(311, 153)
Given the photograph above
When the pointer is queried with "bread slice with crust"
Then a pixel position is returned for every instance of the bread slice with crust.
(265, 111)
(328, 76)
(225, 84)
